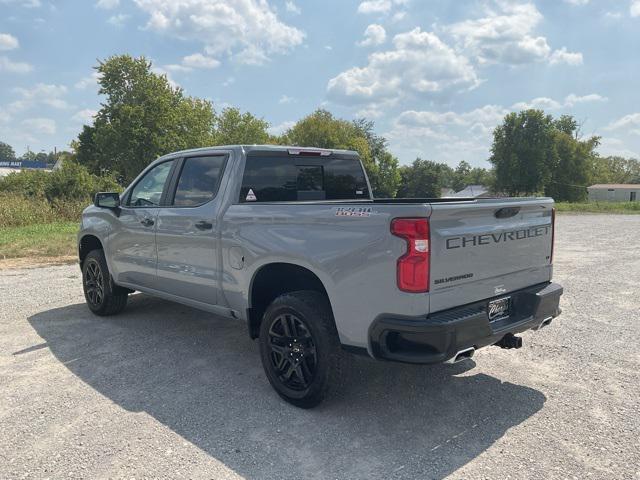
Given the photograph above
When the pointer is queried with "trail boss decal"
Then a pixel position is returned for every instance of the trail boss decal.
(490, 238)
(353, 211)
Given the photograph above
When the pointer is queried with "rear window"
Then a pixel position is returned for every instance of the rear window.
(289, 178)
(198, 181)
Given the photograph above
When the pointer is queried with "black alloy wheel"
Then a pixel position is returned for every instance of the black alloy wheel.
(94, 284)
(300, 348)
(293, 351)
(102, 295)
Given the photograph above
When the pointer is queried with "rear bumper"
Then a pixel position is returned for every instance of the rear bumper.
(436, 338)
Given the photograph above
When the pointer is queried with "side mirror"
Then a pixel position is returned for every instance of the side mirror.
(107, 200)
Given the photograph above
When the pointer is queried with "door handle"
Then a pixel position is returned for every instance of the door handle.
(147, 222)
(204, 225)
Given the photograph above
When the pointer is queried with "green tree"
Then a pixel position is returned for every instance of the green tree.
(460, 178)
(233, 127)
(387, 181)
(423, 179)
(142, 118)
(7, 153)
(321, 129)
(571, 172)
(28, 155)
(534, 153)
(615, 169)
(523, 152)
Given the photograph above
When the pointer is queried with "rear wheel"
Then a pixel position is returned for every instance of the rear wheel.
(102, 295)
(300, 349)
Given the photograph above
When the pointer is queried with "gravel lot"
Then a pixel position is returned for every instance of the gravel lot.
(167, 391)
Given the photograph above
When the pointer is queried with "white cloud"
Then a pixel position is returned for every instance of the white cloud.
(45, 126)
(577, 3)
(545, 103)
(40, 94)
(379, 6)
(7, 65)
(541, 103)
(572, 99)
(399, 16)
(8, 41)
(634, 8)
(248, 30)
(613, 15)
(631, 120)
(107, 4)
(562, 56)
(118, 20)
(88, 81)
(198, 60)
(451, 135)
(508, 37)
(84, 116)
(467, 135)
(369, 113)
(174, 67)
(291, 7)
(166, 72)
(419, 63)
(374, 34)
(281, 128)
(286, 99)
(615, 146)
(489, 116)
(23, 3)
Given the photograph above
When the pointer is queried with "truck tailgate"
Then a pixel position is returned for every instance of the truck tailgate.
(488, 248)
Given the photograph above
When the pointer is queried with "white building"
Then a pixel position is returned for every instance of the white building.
(614, 192)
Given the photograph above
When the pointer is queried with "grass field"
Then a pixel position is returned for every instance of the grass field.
(38, 241)
(600, 207)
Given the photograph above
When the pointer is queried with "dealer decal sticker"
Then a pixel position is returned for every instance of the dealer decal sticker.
(251, 197)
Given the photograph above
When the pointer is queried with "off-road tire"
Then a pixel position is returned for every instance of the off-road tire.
(332, 363)
(102, 295)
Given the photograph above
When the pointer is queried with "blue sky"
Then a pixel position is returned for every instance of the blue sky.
(435, 76)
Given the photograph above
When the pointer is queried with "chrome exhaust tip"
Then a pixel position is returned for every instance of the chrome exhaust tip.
(462, 355)
(544, 323)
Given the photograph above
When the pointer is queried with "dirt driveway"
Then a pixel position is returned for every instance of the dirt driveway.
(169, 392)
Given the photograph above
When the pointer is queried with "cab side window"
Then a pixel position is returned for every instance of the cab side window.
(198, 181)
(148, 191)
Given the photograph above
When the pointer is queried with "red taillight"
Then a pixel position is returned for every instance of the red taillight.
(413, 266)
(553, 232)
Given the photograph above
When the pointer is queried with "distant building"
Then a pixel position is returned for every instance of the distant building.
(614, 192)
(471, 191)
(10, 166)
(446, 192)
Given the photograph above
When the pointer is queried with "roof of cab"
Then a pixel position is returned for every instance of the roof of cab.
(262, 148)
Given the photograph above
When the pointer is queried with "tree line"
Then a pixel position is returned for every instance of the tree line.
(8, 154)
(144, 116)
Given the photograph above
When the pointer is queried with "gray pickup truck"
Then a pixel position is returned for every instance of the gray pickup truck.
(291, 241)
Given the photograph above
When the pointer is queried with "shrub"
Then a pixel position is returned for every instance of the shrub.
(33, 197)
(18, 210)
(74, 182)
(29, 183)
(71, 182)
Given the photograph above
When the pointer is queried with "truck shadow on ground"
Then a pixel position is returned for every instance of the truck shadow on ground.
(200, 375)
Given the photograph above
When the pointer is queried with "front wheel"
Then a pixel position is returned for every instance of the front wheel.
(102, 296)
(300, 348)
